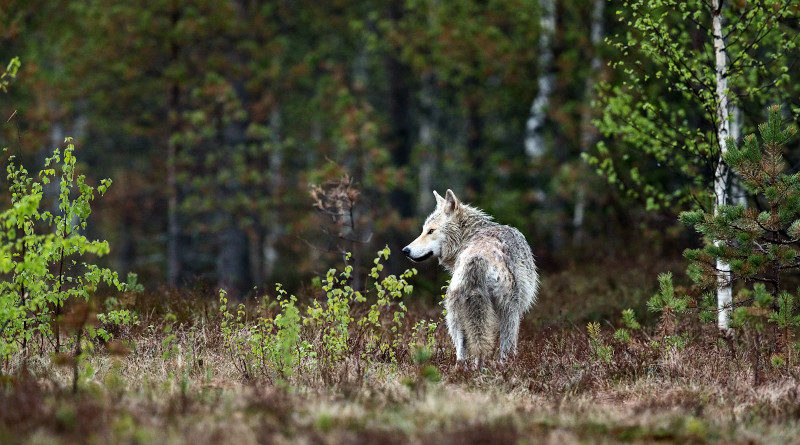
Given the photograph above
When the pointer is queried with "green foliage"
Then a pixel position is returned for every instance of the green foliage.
(287, 336)
(708, 307)
(389, 293)
(670, 343)
(669, 306)
(760, 246)
(660, 109)
(9, 74)
(424, 335)
(785, 316)
(268, 343)
(169, 346)
(762, 243)
(630, 323)
(622, 335)
(43, 249)
(279, 344)
(665, 300)
(425, 373)
(233, 328)
(116, 315)
(600, 350)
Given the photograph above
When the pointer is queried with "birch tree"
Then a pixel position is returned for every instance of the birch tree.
(672, 110)
(722, 177)
(534, 144)
(588, 133)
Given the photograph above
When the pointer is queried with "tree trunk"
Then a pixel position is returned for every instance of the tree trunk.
(126, 253)
(173, 115)
(427, 140)
(231, 256)
(273, 230)
(400, 116)
(722, 174)
(254, 258)
(588, 132)
(534, 143)
(475, 149)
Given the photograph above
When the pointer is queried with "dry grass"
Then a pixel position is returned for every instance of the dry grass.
(557, 390)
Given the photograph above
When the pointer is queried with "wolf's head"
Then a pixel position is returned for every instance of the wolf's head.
(429, 243)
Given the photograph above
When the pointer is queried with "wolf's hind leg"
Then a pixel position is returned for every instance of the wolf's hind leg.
(480, 325)
(509, 332)
(457, 335)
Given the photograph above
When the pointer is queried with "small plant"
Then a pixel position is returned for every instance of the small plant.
(332, 316)
(759, 245)
(169, 346)
(786, 320)
(666, 303)
(424, 335)
(629, 321)
(327, 333)
(42, 253)
(284, 348)
(232, 328)
(600, 350)
(426, 374)
(9, 74)
(389, 293)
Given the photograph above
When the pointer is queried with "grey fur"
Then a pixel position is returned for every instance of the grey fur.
(494, 276)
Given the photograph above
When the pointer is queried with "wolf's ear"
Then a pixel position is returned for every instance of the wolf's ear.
(451, 203)
(439, 199)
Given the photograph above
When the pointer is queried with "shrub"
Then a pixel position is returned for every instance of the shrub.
(43, 252)
(667, 304)
(9, 74)
(600, 350)
(631, 324)
(329, 333)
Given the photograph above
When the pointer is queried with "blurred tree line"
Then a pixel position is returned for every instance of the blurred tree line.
(254, 141)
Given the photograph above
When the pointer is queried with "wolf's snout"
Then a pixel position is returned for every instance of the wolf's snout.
(406, 251)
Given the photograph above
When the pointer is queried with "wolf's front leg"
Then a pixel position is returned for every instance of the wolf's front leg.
(457, 334)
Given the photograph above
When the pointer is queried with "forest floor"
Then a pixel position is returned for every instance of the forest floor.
(559, 388)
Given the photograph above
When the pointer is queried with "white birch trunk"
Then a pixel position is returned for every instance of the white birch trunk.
(722, 175)
(534, 144)
(588, 132)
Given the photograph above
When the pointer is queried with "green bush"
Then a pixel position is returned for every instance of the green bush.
(9, 74)
(600, 350)
(631, 324)
(43, 252)
(341, 328)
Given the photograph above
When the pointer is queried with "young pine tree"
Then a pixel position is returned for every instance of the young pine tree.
(760, 243)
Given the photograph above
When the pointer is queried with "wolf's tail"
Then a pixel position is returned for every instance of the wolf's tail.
(476, 309)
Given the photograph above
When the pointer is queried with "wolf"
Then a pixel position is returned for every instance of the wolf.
(494, 277)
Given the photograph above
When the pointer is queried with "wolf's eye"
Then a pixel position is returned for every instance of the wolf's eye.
(431, 231)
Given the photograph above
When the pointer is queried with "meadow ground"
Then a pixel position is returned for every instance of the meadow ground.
(176, 380)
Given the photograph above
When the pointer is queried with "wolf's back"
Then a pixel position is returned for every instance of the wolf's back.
(507, 254)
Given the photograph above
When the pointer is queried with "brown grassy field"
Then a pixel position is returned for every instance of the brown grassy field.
(153, 387)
